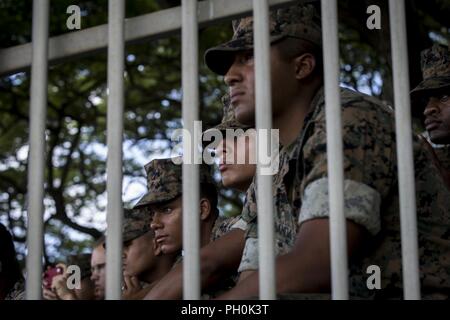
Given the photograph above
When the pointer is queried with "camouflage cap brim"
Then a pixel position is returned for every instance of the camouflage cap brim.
(155, 197)
(431, 84)
(126, 237)
(219, 59)
(222, 128)
(232, 125)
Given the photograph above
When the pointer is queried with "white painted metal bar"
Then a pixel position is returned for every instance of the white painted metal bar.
(190, 113)
(36, 155)
(407, 190)
(338, 232)
(114, 217)
(142, 28)
(263, 103)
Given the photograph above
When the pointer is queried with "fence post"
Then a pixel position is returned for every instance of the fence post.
(405, 157)
(338, 231)
(114, 217)
(36, 155)
(263, 109)
(190, 113)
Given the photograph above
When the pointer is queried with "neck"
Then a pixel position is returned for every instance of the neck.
(290, 121)
(163, 264)
(206, 230)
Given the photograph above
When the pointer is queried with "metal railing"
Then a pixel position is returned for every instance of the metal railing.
(189, 17)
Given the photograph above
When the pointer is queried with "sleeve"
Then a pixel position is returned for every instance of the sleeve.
(368, 141)
(239, 224)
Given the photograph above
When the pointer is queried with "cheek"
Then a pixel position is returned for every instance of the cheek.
(129, 257)
(250, 171)
(173, 224)
(446, 115)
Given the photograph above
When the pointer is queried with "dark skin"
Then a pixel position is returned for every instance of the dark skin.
(294, 83)
(437, 117)
(219, 259)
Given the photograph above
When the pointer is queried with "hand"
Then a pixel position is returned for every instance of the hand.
(59, 285)
(131, 288)
(48, 294)
(156, 248)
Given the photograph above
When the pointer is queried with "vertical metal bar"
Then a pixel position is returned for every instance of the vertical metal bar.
(36, 156)
(267, 283)
(338, 231)
(408, 216)
(190, 112)
(116, 47)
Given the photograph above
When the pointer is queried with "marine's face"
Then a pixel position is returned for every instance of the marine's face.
(437, 118)
(240, 80)
(167, 225)
(139, 255)
(98, 263)
(237, 160)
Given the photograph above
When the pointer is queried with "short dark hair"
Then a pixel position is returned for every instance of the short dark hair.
(291, 48)
(209, 191)
(99, 241)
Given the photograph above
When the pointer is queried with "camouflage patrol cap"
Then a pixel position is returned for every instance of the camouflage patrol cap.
(297, 21)
(435, 69)
(164, 180)
(136, 223)
(83, 261)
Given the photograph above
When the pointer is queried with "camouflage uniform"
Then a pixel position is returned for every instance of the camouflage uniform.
(371, 197)
(17, 292)
(164, 183)
(370, 185)
(436, 78)
(443, 154)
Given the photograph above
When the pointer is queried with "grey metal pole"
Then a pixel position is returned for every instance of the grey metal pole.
(190, 113)
(407, 190)
(36, 155)
(116, 47)
(338, 231)
(263, 103)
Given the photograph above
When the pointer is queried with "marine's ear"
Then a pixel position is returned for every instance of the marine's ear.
(205, 209)
(305, 65)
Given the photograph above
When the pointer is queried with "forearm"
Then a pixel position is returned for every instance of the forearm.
(309, 277)
(307, 268)
(170, 287)
(218, 260)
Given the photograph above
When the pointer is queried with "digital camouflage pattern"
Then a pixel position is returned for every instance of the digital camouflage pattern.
(164, 180)
(297, 21)
(435, 70)
(371, 197)
(224, 225)
(136, 223)
(443, 155)
(17, 292)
